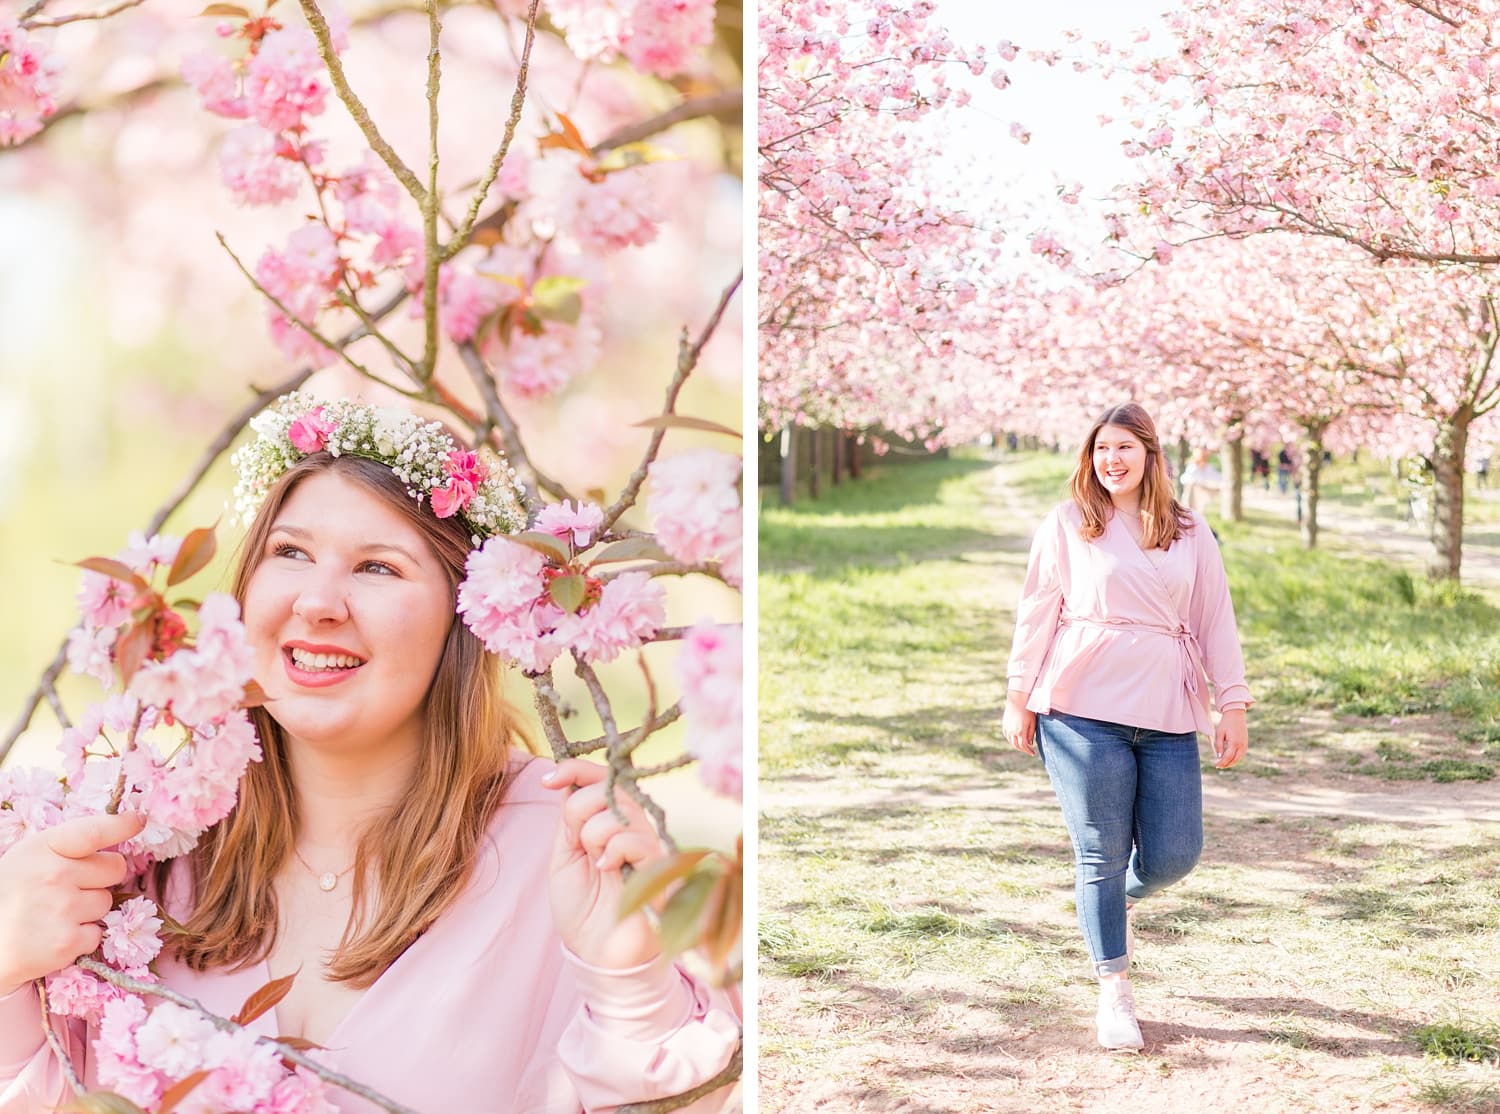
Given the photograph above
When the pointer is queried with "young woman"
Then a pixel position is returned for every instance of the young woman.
(447, 901)
(1123, 622)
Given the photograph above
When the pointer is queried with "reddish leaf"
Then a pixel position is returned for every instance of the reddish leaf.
(631, 549)
(132, 648)
(99, 1102)
(725, 923)
(180, 1090)
(569, 138)
(647, 884)
(116, 570)
(233, 11)
(301, 1044)
(679, 421)
(545, 544)
(264, 999)
(193, 556)
(487, 237)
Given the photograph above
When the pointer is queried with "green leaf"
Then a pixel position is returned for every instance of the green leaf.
(193, 556)
(648, 883)
(555, 298)
(679, 421)
(679, 928)
(631, 549)
(545, 544)
(99, 1102)
(628, 155)
(568, 592)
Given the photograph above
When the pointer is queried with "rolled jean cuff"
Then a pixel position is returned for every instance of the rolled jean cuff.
(1117, 966)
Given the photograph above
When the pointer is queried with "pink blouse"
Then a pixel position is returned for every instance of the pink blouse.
(486, 1013)
(1103, 633)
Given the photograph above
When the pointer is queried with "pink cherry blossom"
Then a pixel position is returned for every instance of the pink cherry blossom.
(28, 84)
(74, 992)
(252, 166)
(284, 80)
(115, 1060)
(30, 801)
(695, 501)
(631, 608)
(710, 668)
(130, 933)
(175, 1040)
(563, 520)
(213, 76)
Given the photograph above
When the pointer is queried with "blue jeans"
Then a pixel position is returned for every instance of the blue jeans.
(1132, 799)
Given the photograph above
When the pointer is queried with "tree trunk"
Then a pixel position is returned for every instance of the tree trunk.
(1448, 495)
(788, 466)
(836, 472)
(815, 464)
(1231, 495)
(856, 466)
(1312, 468)
(1182, 463)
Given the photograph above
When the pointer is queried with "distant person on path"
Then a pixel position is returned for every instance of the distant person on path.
(1201, 481)
(1260, 468)
(1482, 471)
(1283, 469)
(1123, 622)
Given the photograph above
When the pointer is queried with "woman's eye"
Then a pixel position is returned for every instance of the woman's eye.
(287, 549)
(379, 567)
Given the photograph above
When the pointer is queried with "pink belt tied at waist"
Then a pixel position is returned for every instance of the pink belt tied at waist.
(1192, 652)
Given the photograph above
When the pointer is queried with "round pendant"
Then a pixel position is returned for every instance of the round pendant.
(326, 882)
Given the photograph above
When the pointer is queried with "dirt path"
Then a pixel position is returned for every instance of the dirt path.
(1333, 916)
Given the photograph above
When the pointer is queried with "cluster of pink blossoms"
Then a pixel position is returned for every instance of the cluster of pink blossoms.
(711, 668)
(509, 599)
(695, 501)
(655, 36)
(28, 84)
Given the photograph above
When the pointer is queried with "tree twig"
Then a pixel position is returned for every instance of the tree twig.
(461, 234)
(79, 17)
(548, 706)
(55, 1042)
(687, 360)
(588, 746)
(532, 478)
(432, 256)
(357, 110)
(728, 1075)
(285, 1051)
(716, 104)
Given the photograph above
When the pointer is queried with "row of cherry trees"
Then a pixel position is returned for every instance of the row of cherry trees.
(1305, 254)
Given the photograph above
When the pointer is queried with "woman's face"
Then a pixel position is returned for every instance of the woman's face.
(1119, 460)
(347, 612)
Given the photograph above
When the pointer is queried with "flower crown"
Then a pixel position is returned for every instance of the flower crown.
(482, 491)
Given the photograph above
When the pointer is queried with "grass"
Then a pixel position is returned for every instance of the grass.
(916, 890)
(1456, 1043)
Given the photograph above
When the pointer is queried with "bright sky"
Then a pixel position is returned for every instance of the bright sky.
(1059, 107)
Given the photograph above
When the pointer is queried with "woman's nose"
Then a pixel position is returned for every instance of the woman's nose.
(323, 598)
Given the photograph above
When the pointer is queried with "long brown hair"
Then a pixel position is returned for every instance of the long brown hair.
(1163, 518)
(419, 854)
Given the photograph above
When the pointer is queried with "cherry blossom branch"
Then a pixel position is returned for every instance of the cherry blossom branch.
(728, 1075)
(726, 103)
(517, 102)
(59, 21)
(285, 1051)
(357, 110)
(532, 478)
(687, 360)
(432, 252)
(649, 727)
(669, 568)
(55, 1042)
(549, 705)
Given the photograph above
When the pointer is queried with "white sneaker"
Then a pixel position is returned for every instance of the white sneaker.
(1116, 1021)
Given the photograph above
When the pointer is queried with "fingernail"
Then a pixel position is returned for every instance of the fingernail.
(549, 778)
(599, 863)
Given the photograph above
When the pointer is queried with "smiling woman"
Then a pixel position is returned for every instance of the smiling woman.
(388, 757)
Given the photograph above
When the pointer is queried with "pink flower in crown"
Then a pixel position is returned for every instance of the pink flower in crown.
(465, 474)
(310, 433)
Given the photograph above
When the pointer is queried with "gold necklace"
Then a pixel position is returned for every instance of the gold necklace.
(327, 880)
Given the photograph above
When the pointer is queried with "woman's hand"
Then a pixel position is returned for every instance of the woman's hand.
(1019, 723)
(54, 890)
(1231, 738)
(592, 845)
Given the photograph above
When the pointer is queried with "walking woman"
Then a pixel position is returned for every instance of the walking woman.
(1123, 623)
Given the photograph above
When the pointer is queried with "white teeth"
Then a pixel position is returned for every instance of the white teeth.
(314, 662)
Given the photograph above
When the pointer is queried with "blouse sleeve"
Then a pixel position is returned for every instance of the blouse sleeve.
(31, 1079)
(646, 1034)
(1211, 614)
(1040, 604)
